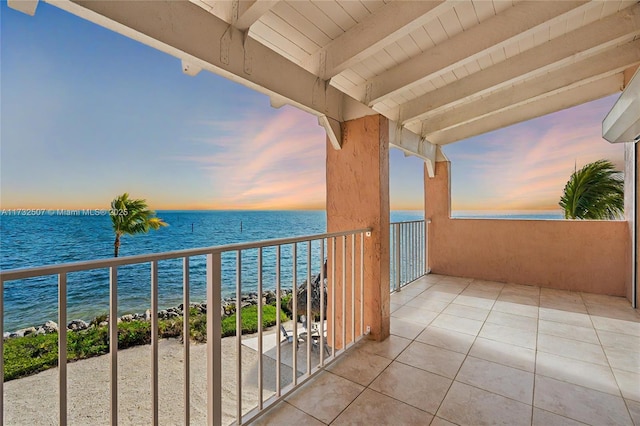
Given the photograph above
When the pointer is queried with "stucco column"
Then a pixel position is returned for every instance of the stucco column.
(358, 197)
(632, 215)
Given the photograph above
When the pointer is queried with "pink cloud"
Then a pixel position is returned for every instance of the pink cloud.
(266, 162)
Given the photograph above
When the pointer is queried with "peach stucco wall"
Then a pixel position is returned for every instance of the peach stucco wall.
(358, 197)
(590, 256)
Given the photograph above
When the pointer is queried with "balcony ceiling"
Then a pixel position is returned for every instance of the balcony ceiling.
(441, 70)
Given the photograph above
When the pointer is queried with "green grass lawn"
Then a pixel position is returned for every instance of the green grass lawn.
(31, 354)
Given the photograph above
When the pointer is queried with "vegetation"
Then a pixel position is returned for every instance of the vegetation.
(131, 216)
(594, 192)
(31, 354)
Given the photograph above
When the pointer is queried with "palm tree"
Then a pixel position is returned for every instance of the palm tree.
(596, 191)
(130, 216)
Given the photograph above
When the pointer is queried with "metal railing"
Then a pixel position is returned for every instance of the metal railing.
(341, 310)
(409, 252)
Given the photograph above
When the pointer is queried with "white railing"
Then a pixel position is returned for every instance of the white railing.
(329, 338)
(409, 255)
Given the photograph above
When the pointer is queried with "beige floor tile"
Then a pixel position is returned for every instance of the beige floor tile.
(568, 331)
(455, 323)
(430, 358)
(604, 300)
(512, 320)
(467, 405)
(394, 307)
(616, 325)
(448, 287)
(573, 349)
(412, 386)
(286, 414)
(516, 309)
(580, 403)
(359, 366)
(563, 296)
(435, 294)
(511, 335)
(626, 342)
(475, 302)
(593, 376)
(412, 290)
(563, 306)
(613, 312)
(504, 353)
(623, 360)
(497, 378)
(388, 348)
(406, 329)
(434, 305)
(519, 299)
(400, 298)
(419, 316)
(491, 289)
(545, 418)
(520, 290)
(466, 311)
(446, 339)
(629, 384)
(566, 317)
(437, 421)
(422, 282)
(325, 396)
(374, 408)
(634, 411)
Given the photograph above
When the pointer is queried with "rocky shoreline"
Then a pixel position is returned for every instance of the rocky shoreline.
(227, 308)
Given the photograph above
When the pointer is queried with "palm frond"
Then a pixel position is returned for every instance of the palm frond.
(594, 192)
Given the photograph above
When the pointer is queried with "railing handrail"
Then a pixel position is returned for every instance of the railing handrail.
(38, 271)
(406, 221)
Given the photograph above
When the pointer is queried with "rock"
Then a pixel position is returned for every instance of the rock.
(40, 331)
(147, 315)
(77, 325)
(7, 335)
(50, 327)
(103, 324)
(27, 331)
(127, 318)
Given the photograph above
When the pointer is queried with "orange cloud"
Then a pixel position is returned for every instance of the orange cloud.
(276, 162)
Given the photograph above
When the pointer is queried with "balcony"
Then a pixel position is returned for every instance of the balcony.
(463, 351)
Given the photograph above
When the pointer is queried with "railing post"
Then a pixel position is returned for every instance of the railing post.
(62, 348)
(426, 245)
(397, 254)
(154, 343)
(113, 342)
(214, 343)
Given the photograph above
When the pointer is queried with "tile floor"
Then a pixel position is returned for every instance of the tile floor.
(469, 352)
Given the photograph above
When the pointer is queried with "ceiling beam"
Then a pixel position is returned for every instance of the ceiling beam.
(581, 42)
(186, 31)
(250, 11)
(413, 144)
(385, 26)
(577, 95)
(465, 47)
(593, 68)
(622, 123)
(24, 6)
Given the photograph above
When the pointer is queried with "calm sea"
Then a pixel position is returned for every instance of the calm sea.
(27, 241)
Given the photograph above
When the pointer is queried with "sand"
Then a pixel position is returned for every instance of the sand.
(34, 399)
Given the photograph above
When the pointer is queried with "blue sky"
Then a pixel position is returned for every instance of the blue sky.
(88, 114)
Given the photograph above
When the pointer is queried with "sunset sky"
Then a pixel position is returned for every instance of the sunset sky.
(88, 114)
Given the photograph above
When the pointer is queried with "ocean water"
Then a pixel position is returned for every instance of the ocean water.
(29, 241)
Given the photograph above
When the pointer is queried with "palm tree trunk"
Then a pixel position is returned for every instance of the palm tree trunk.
(116, 246)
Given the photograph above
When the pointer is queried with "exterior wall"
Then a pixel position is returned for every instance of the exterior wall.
(632, 215)
(589, 256)
(358, 197)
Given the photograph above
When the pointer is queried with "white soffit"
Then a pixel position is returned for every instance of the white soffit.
(622, 124)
